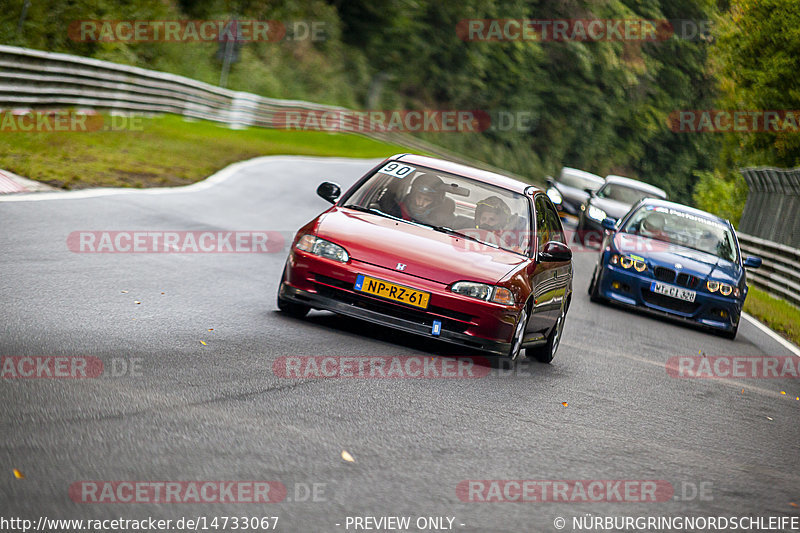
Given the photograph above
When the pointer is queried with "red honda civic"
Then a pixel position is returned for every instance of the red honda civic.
(437, 249)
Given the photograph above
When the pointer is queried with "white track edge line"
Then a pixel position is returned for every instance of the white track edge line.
(783, 342)
(210, 181)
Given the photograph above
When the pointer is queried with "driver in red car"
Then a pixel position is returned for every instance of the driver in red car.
(426, 202)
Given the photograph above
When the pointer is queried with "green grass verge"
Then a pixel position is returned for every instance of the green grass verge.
(163, 151)
(779, 315)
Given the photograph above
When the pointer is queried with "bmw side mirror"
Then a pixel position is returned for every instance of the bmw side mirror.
(752, 261)
(329, 191)
(609, 223)
(555, 251)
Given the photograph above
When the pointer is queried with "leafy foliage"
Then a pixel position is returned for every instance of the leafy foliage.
(602, 106)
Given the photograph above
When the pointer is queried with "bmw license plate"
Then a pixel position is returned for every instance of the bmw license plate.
(392, 291)
(675, 292)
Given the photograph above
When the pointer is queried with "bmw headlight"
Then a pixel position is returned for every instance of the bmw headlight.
(482, 291)
(318, 246)
(723, 288)
(637, 263)
(554, 195)
(596, 213)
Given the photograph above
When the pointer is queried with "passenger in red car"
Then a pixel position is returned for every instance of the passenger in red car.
(492, 214)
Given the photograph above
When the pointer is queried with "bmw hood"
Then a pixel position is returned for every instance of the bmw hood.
(700, 264)
(572, 194)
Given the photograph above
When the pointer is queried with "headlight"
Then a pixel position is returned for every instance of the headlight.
(317, 246)
(628, 262)
(482, 291)
(596, 213)
(554, 195)
(723, 288)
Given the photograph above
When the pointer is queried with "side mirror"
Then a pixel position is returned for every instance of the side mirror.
(555, 251)
(589, 191)
(752, 261)
(329, 191)
(609, 223)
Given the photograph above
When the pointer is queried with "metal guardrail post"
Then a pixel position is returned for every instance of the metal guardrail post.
(779, 274)
(772, 210)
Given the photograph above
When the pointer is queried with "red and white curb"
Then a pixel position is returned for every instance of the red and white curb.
(9, 185)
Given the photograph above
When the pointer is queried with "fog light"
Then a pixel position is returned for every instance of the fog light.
(615, 285)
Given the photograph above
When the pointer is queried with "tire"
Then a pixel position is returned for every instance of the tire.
(292, 309)
(729, 334)
(519, 334)
(578, 238)
(544, 354)
(594, 293)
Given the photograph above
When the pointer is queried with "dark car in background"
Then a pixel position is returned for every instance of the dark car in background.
(569, 191)
(612, 200)
(674, 260)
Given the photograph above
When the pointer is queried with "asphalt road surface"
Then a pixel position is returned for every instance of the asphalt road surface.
(168, 407)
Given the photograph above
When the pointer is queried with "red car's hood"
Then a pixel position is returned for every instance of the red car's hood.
(426, 253)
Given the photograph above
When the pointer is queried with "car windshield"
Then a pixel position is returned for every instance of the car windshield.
(684, 229)
(621, 193)
(447, 202)
(579, 182)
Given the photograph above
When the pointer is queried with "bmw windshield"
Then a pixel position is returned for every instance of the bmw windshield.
(621, 193)
(683, 229)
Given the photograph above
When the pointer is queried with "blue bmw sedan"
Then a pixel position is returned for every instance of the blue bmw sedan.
(676, 261)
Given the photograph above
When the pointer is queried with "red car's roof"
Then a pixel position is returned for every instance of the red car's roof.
(485, 176)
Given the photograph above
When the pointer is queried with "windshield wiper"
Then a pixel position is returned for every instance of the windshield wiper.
(381, 213)
(451, 231)
(441, 229)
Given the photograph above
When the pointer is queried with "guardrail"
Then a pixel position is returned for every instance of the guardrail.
(772, 210)
(33, 78)
(779, 274)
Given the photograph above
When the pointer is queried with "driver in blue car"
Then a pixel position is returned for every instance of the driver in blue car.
(652, 226)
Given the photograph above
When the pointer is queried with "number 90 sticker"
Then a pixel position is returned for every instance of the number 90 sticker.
(397, 170)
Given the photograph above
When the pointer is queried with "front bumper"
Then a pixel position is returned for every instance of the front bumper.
(631, 288)
(328, 285)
